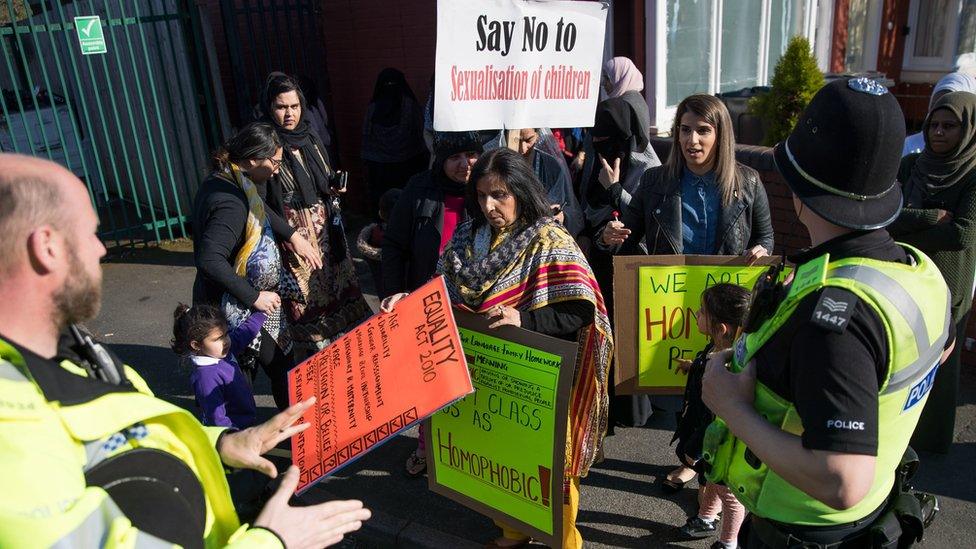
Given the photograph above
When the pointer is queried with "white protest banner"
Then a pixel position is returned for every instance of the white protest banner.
(505, 64)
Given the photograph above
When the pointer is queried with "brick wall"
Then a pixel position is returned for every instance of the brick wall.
(914, 101)
(363, 37)
(791, 235)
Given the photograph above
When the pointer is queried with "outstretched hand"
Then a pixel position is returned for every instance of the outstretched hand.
(245, 449)
(614, 233)
(314, 526)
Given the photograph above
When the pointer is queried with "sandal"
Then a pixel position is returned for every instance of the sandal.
(675, 485)
(416, 465)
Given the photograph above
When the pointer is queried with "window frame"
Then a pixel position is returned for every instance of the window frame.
(655, 70)
(947, 61)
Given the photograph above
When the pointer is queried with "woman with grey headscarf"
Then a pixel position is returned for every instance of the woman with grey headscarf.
(952, 82)
(939, 189)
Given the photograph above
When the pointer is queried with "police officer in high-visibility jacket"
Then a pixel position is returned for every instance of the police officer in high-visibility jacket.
(822, 393)
(88, 457)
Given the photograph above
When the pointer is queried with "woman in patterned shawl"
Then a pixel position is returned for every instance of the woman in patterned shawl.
(328, 300)
(514, 263)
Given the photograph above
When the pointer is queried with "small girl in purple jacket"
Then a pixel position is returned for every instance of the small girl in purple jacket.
(223, 391)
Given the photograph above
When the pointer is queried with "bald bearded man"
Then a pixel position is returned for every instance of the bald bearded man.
(88, 456)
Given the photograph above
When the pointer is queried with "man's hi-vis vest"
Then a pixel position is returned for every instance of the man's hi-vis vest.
(913, 303)
(46, 448)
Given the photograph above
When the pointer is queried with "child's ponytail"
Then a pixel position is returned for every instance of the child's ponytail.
(194, 324)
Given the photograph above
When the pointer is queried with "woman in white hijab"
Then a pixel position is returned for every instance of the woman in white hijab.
(952, 82)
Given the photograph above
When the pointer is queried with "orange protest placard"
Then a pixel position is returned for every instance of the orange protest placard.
(388, 373)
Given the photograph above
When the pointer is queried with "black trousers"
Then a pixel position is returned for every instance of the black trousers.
(275, 364)
(841, 536)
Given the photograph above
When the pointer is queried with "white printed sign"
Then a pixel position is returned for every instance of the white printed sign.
(517, 64)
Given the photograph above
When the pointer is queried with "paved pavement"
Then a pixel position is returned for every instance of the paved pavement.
(622, 506)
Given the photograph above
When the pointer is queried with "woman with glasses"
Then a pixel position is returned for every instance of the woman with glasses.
(234, 248)
(327, 299)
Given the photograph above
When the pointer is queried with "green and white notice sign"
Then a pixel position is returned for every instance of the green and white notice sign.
(91, 37)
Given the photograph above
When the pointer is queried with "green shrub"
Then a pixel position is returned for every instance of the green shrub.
(796, 79)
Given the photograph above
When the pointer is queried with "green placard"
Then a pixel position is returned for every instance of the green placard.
(656, 302)
(667, 327)
(91, 37)
(501, 450)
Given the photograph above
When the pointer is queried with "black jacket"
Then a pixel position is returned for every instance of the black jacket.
(654, 213)
(219, 216)
(412, 240)
(694, 417)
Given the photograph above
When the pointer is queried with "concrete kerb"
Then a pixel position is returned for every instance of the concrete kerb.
(385, 530)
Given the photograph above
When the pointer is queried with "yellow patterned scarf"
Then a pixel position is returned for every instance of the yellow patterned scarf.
(255, 217)
(529, 268)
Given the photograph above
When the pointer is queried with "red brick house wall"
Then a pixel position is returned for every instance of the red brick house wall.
(791, 235)
(363, 37)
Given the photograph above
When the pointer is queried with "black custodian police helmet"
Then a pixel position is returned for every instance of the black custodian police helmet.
(842, 158)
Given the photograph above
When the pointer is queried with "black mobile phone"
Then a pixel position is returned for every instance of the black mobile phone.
(339, 180)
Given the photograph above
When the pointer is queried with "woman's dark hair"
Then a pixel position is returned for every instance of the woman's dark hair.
(727, 303)
(715, 113)
(255, 141)
(194, 324)
(510, 168)
(277, 84)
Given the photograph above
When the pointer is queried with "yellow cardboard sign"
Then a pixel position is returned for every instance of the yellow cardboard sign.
(657, 327)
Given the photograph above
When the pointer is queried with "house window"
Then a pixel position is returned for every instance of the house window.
(931, 38)
(742, 34)
(967, 28)
(689, 39)
(940, 31)
(712, 46)
(786, 20)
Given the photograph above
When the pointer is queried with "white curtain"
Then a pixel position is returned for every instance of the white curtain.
(689, 29)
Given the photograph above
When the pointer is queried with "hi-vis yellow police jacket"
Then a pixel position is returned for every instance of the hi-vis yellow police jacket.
(46, 447)
(913, 303)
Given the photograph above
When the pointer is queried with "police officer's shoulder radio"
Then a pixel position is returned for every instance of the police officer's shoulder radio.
(768, 292)
(95, 358)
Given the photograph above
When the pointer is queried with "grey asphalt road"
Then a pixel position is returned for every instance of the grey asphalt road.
(621, 504)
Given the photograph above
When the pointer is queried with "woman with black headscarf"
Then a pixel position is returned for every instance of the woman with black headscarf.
(330, 301)
(939, 215)
(393, 135)
(618, 140)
